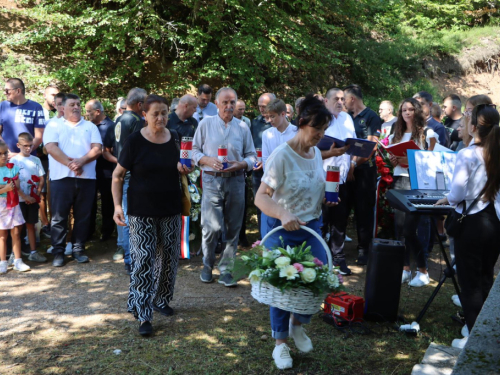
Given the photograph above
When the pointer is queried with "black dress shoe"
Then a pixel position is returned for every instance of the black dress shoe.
(58, 260)
(167, 311)
(145, 329)
(80, 257)
(362, 258)
(244, 241)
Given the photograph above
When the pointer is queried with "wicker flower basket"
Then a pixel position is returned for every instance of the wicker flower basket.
(298, 300)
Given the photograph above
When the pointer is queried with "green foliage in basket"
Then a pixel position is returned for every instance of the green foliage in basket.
(288, 268)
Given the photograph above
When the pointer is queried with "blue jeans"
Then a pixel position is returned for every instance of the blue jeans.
(126, 230)
(280, 318)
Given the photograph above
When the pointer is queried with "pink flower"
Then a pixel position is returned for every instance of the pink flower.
(341, 279)
(256, 243)
(317, 262)
(385, 141)
(299, 267)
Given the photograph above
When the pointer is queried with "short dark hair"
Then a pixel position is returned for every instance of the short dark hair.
(60, 95)
(312, 112)
(18, 84)
(70, 96)
(276, 106)
(150, 99)
(26, 136)
(205, 89)
(455, 99)
(424, 95)
(354, 90)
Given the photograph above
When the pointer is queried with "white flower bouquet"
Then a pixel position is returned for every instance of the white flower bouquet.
(290, 278)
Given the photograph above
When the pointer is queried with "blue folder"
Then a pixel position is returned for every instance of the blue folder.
(359, 147)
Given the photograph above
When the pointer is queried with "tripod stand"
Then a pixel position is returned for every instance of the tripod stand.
(449, 272)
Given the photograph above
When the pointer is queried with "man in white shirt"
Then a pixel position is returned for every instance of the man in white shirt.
(341, 127)
(205, 107)
(73, 145)
(386, 113)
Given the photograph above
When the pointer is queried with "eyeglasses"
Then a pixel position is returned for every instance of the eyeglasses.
(336, 99)
(480, 107)
(8, 90)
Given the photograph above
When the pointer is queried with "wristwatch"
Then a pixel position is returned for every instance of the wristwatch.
(354, 163)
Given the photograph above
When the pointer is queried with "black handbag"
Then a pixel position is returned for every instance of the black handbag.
(453, 222)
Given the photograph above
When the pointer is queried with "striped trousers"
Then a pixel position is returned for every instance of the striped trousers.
(155, 250)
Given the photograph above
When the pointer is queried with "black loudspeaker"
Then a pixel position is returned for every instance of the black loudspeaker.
(383, 280)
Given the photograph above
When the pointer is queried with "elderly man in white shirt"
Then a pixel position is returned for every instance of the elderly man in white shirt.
(205, 107)
(223, 198)
(73, 145)
(335, 218)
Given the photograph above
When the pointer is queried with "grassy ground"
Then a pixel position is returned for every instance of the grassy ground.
(71, 320)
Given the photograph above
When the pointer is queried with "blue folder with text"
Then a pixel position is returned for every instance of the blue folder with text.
(359, 147)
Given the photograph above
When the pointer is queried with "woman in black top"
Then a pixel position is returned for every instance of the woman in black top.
(154, 212)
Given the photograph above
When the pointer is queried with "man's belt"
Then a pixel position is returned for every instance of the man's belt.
(224, 174)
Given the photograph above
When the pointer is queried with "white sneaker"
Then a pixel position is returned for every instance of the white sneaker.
(420, 279)
(459, 343)
(11, 260)
(456, 300)
(49, 250)
(302, 342)
(281, 355)
(3, 266)
(406, 277)
(69, 249)
(20, 266)
(465, 331)
(347, 239)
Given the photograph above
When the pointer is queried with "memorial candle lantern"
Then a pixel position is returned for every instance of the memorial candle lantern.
(332, 184)
(222, 154)
(259, 156)
(186, 151)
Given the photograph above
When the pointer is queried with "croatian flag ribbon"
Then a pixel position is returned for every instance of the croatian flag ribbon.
(186, 151)
(222, 155)
(332, 184)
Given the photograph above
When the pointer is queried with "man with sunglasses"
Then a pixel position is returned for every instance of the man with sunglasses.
(20, 115)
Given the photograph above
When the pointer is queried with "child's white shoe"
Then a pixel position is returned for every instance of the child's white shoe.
(3, 266)
(20, 266)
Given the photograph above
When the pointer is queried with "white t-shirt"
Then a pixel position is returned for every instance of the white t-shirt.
(75, 141)
(399, 170)
(272, 138)
(28, 166)
(341, 127)
(298, 183)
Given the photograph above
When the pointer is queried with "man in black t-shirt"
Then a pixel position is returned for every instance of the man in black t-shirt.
(129, 122)
(362, 177)
(182, 120)
(104, 169)
(452, 106)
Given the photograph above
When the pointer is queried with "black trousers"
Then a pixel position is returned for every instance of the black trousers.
(256, 177)
(406, 228)
(107, 208)
(335, 219)
(65, 193)
(361, 196)
(476, 251)
(243, 230)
